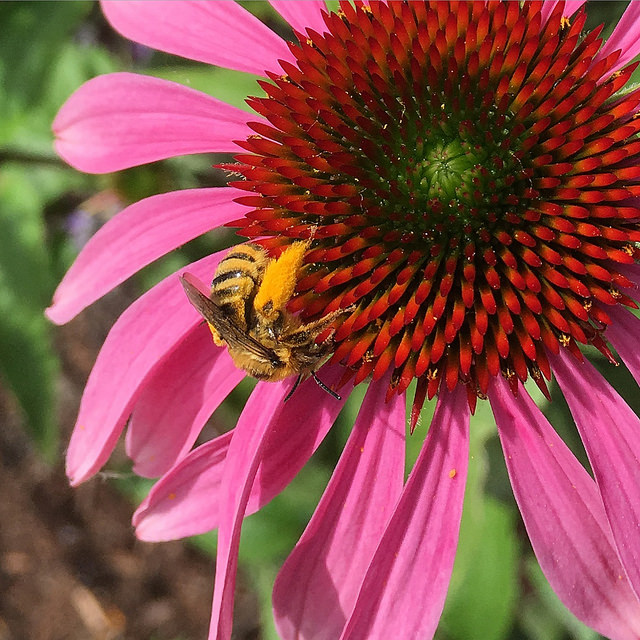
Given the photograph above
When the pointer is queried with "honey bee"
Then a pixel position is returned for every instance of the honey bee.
(246, 312)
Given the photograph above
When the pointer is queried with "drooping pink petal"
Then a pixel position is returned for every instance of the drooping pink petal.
(185, 501)
(624, 335)
(122, 120)
(610, 431)
(404, 590)
(134, 348)
(302, 15)
(625, 37)
(318, 584)
(564, 517)
(570, 7)
(172, 409)
(245, 453)
(137, 236)
(219, 33)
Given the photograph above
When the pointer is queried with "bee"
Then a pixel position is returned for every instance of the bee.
(246, 312)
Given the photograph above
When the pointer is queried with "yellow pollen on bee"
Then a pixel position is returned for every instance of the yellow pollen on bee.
(217, 340)
(279, 279)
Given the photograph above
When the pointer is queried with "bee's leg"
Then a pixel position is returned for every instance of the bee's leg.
(323, 386)
(305, 332)
(295, 386)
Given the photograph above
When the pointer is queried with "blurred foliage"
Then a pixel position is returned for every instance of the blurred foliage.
(47, 50)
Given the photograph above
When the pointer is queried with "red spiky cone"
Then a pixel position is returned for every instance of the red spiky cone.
(470, 179)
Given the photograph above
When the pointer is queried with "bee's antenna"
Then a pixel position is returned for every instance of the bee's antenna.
(295, 386)
(323, 386)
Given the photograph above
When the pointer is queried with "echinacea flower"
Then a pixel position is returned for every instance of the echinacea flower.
(469, 176)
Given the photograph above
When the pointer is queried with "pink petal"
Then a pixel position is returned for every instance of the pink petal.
(186, 500)
(631, 271)
(570, 7)
(176, 402)
(245, 454)
(318, 584)
(122, 120)
(137, 236)
(302, 15)
(289, 446)
(564, 517)
(137, 344)
(624, 334)
(610, 432)
(219, 33)
(403, 592)
(625, 37)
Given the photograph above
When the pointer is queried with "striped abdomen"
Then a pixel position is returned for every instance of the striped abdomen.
(237, 278)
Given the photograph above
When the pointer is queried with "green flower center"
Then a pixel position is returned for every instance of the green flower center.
(452, 177)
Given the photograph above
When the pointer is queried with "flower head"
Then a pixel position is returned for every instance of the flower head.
(465, 177)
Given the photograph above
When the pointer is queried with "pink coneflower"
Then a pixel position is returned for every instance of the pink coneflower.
(468, 175)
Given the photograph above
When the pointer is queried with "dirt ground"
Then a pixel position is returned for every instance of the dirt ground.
(70, 566)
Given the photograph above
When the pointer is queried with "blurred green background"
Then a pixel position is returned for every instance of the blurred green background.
(47, 212)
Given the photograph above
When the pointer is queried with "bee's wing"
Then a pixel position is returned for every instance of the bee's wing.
(229, 331)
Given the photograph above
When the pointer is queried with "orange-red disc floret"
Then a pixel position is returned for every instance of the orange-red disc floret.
(468, 176)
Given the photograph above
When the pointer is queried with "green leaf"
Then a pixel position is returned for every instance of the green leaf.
(74, 64)
(40, 67)
(263, 579)
(29, 365)
(27, 360)
(484, 587)
(32, 34)
(482, 605)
